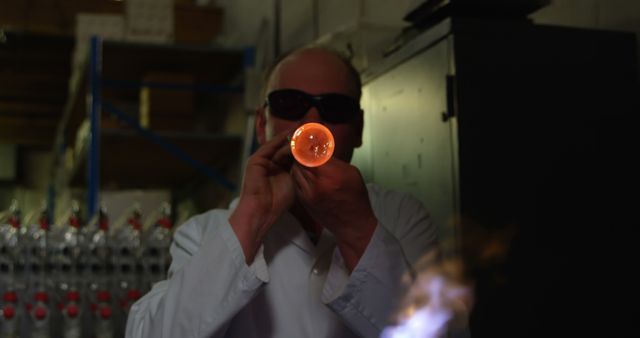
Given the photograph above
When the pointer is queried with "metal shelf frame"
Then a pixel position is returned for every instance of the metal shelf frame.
(96, 104)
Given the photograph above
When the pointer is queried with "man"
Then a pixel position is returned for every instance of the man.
(304, 252)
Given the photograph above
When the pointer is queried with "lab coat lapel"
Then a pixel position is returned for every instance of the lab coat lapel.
(288, 227)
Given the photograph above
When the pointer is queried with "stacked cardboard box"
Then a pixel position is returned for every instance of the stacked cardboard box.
(196, 25)
(168, 103)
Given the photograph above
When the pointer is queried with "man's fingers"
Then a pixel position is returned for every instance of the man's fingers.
(303, 179)
(282, 157)
(331, 166)
(269, 149)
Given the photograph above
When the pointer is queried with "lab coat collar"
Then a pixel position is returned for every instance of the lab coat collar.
(288, 227)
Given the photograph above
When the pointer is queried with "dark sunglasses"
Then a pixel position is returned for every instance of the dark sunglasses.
(293, 105)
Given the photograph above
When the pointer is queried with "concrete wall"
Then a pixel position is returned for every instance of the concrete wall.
(305, 21)
(8, 159)
(245, 19)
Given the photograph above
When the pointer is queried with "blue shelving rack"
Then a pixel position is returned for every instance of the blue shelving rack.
(96, 104)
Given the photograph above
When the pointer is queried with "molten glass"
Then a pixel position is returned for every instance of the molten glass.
(312, 144)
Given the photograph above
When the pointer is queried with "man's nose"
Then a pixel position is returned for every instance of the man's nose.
(313, 115)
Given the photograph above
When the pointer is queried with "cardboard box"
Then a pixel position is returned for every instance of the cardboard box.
(149, 21)
(156, 102)
(196, 25)
(172, 123)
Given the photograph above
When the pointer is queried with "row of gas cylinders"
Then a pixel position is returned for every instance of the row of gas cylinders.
(78, 279)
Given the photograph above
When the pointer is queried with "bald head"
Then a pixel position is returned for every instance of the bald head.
(316, 64)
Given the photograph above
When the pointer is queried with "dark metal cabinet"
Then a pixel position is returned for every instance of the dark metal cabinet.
(517, 126)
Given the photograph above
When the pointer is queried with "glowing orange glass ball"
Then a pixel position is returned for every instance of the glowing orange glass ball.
(312, 144)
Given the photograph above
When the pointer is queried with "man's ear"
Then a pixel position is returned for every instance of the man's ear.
(359, 125)
(261, 125)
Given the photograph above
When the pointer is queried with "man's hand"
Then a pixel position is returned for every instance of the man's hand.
(267, 192)
(336, 197)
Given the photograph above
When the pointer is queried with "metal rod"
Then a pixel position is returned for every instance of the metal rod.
(169, 147)
(172, 86)
(315, 13)
(276, 27)
(93, 167)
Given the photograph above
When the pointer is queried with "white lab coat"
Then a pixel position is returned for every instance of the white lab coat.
(292, 288)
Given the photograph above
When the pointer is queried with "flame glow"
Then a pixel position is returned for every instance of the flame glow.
(436, 304)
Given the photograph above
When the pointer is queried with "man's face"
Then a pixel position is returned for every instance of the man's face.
(315, 72)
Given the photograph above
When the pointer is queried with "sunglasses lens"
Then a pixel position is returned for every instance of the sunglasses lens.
(339, 108)
(291, 104)
(288, 104)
